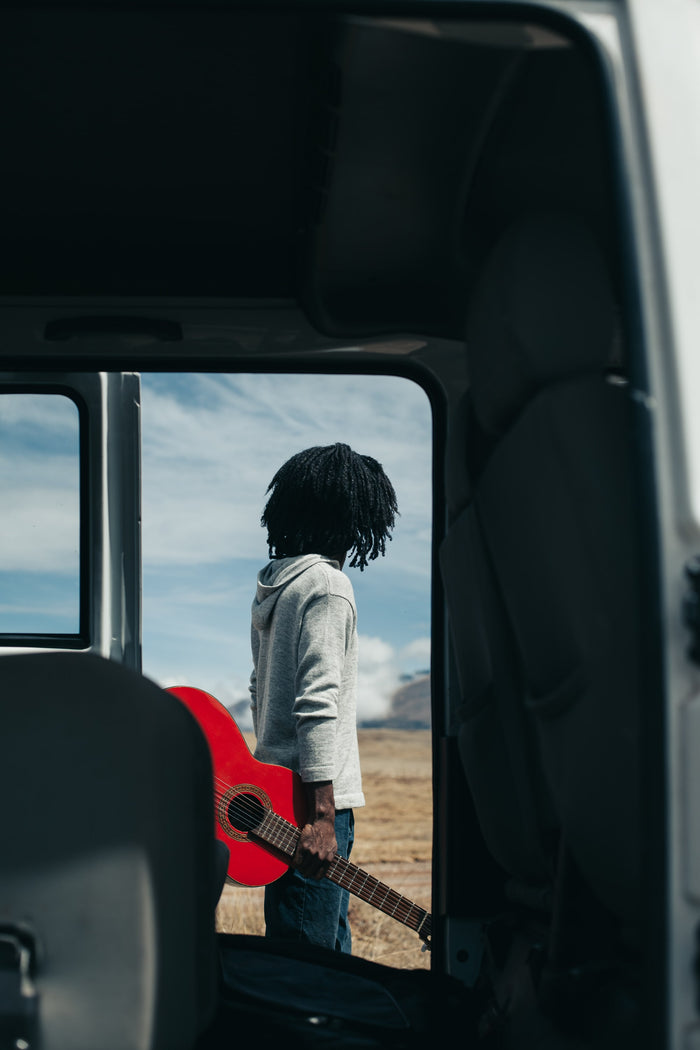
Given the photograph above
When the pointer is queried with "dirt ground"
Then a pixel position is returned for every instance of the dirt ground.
(393, 842)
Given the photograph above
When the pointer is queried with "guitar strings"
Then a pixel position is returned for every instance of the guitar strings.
(348, 876)
(248, 804)
(248, 798)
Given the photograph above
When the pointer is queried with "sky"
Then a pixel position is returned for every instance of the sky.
(210, 446)
(40, 522)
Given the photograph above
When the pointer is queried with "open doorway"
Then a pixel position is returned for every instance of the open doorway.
(211, 445)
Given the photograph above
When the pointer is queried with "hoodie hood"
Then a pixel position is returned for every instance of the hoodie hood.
(274, 578)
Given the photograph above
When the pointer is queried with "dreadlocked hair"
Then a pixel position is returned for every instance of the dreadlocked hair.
(327, 500)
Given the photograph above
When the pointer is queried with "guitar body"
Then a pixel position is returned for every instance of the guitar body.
(243, 789)
(259, 808)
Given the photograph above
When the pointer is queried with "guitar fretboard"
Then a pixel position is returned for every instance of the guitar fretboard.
(283, 836)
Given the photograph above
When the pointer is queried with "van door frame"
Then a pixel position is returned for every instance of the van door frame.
(109, 409)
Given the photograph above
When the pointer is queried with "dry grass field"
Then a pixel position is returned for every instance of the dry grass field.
(393, 841)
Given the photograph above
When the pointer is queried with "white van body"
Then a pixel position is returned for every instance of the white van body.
(381, 263)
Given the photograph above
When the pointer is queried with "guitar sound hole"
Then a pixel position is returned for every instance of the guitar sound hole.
(245, 812)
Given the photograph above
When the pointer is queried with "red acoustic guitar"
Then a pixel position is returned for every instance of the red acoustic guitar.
(259, 809)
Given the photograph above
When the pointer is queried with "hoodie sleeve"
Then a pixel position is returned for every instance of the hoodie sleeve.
(253, 686)
(325, 634)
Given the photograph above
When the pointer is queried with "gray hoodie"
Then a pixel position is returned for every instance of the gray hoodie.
(304, 681)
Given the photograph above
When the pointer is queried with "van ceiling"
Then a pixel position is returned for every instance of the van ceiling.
(359, 167)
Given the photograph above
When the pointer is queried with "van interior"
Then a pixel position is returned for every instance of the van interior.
(429, 191)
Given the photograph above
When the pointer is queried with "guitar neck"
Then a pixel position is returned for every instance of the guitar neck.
(283, 836)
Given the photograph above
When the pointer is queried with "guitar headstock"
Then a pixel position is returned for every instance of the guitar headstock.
(425, 933)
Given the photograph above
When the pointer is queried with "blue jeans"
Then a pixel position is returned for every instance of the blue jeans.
(313, 910)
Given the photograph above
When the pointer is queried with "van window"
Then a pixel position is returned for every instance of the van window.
(40, 522)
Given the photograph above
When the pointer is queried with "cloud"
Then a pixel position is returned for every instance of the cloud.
(39, 525)
(416, 654)
(39, 480)
(381, 666)
(33, 418)
(229, 691)
(377, 678)
(210, 450)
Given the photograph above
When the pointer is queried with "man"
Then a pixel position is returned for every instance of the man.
(325, 504)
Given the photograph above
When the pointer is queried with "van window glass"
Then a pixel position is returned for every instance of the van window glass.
(40, 520)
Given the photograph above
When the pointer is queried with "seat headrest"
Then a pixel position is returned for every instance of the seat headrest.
(108, 852)
(542, 311)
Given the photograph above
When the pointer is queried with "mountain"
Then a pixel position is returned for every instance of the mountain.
(410, 706)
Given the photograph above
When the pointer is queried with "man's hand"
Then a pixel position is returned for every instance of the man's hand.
(317, 844)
